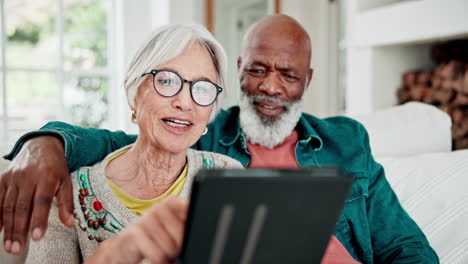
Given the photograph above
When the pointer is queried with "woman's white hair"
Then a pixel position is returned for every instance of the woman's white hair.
(167, 42)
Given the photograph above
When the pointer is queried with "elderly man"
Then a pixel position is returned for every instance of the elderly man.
(267, 129)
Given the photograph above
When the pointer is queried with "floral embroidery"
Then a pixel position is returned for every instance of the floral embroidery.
(207, 162)
(95, 215)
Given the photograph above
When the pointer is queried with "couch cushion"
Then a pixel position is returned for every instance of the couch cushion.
(409, 129)
(433, 189)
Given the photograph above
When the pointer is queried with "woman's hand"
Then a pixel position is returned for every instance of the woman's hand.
(37, 174)
(157, 236)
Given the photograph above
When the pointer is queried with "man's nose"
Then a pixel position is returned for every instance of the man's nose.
(272, 84)
(183, 100)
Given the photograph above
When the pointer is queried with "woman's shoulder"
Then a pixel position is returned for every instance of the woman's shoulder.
(212, 160)
(99, 167)
(94, 170)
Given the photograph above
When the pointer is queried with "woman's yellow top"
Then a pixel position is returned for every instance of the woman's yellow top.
(138, 206)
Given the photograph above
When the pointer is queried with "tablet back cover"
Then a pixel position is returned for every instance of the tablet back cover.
(263, 216)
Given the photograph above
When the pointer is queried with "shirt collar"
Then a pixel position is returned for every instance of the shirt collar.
(305, 129)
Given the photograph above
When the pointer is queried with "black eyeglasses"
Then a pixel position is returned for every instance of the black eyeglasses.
(168, 84)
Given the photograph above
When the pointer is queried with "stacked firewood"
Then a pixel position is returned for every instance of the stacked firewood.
(445, 87)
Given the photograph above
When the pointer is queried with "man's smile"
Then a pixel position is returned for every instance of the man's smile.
(268, 108)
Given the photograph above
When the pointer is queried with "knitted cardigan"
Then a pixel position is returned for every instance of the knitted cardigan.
(98, 212)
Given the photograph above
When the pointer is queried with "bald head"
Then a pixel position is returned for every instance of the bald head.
(280, 30)
(275, 59)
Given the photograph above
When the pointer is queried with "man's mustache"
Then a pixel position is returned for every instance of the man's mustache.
(269, 99)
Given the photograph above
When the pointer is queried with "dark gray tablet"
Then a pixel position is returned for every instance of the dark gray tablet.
(263, 216)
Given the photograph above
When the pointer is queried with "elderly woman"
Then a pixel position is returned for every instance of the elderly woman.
(174, 88)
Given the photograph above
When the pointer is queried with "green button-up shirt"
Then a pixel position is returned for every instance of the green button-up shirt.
(373, 226)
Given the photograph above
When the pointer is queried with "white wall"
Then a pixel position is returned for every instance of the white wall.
(410, 22)
(187, 11)
(369, 4)
(386, 41)
(389, 64)
(374, 75)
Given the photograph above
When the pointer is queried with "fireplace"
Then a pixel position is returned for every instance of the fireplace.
(445, 86)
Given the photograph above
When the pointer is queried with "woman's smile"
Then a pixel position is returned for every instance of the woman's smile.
(176, 125)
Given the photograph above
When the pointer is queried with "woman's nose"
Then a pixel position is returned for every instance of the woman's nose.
(183, 100)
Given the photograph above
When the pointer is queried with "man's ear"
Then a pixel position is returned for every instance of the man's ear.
(310, 74)
(239, 63)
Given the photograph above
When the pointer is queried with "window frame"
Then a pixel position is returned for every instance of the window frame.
(59, 71)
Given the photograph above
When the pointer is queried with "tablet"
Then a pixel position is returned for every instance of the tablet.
(263, 216)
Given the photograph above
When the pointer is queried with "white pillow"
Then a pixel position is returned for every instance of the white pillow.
(433, 188)
(409, 129)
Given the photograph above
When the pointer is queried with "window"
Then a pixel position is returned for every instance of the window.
(55, 63)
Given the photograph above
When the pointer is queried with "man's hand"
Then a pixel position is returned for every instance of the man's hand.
(156, 236)
(27, 188)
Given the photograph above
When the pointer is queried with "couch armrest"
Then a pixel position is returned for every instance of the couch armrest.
(409, 129)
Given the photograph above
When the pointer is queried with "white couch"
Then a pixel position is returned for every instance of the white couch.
(413, 144)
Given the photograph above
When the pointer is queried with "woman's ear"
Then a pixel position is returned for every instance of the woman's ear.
(133, 117)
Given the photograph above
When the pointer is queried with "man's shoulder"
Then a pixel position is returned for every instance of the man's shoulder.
(344, 141)
(336, 125)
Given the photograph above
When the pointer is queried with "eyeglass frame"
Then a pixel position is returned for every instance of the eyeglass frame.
(219, 89)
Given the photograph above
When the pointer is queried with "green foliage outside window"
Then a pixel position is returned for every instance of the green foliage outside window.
(33, 42)
(86, 29)
(26, 33)
(94, 110)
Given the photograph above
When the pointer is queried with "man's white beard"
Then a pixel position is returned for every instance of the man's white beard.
(265, 130)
